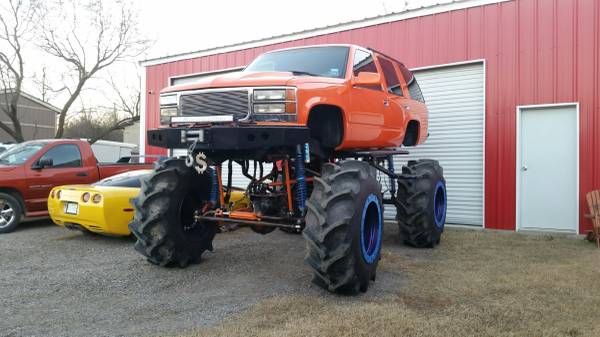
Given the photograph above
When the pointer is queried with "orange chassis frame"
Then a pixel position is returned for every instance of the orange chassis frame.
(253, 219)
(246, 217)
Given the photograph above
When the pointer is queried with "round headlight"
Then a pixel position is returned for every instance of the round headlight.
(58, 194)
(97, 198)
(52, 194)
(85, 197)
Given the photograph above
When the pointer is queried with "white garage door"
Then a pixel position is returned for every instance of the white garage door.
(455, 98)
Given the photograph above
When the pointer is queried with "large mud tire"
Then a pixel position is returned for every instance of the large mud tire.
(421, 203)
(164, 212)
(343, 229)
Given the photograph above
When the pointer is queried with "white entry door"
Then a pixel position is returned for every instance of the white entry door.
(547, 167)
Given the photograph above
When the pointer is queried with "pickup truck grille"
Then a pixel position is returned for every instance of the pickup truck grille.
(229, 102)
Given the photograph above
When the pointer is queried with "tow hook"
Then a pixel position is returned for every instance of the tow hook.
(198, 162)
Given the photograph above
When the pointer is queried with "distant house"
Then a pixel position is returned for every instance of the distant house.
(38, 118)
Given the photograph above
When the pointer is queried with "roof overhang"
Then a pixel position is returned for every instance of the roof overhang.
(452, 5)
(34, 99)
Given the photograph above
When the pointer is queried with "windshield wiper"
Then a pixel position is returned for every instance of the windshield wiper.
(300, 72)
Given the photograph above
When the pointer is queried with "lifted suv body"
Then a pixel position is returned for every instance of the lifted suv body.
(343, 108)
(318, 123)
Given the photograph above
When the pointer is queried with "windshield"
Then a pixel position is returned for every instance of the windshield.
(127, 179)
(314, 61)
(20, 153)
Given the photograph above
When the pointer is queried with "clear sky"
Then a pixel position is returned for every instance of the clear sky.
(186, 25)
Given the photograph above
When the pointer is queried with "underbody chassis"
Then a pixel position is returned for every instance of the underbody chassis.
(333, 198)
(285, 149)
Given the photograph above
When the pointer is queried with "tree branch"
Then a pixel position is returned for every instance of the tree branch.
(122, 124)
(114, 40)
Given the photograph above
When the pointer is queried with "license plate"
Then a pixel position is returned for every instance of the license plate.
(71, 208)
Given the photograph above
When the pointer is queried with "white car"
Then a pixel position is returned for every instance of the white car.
(4, 147)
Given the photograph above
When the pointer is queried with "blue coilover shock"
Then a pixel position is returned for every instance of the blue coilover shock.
(214, 185)
(390, 160)
(300, 180)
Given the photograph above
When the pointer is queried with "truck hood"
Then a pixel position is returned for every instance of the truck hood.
(252, 79)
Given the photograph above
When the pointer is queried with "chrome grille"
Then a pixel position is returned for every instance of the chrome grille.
(230, 102)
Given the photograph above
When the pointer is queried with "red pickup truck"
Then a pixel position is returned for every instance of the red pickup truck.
(28, 171)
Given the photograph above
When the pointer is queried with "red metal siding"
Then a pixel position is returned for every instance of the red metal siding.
(536, 52)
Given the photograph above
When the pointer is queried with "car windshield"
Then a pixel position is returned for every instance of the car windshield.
(313, 61)
(20, 153)
(127, 179)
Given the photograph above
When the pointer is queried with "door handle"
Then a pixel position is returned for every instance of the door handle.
(386, 102)
(524, 168)
(81, 174)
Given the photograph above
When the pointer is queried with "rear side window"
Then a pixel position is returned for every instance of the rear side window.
(65, 155)
(411, 82)
(363, 62)
(391, 78)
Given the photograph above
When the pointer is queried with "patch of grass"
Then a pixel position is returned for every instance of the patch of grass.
(477, 283)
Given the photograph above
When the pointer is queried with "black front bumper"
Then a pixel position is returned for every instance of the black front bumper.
(229, 138)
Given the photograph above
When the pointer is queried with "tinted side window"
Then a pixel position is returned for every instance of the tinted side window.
(391, 78)
(411, 82)
(363, 62)
(66, 155)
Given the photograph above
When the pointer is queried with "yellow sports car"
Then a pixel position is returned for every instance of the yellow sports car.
(104, 207)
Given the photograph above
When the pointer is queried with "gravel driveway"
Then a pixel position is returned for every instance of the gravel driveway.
(56, 282)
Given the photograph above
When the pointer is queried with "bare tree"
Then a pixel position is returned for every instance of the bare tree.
(110, 36)
(93, 123)
(128, 104)
(46, 92)
(16, 20)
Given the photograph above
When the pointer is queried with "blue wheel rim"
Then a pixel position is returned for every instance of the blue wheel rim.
(370, 229)
(439, 204)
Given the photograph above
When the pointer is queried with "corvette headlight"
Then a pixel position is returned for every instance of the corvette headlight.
(269, 95)
(168, 99)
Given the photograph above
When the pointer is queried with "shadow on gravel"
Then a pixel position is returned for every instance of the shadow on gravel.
(33, 224)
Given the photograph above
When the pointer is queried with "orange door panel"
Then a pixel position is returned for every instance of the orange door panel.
(366, 117)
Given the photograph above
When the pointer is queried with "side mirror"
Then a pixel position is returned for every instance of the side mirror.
(367, 78)
(43, 162)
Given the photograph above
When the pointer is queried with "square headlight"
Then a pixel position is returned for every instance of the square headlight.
(269, 95)
(171, 111)
(269, 108)
(168, 99)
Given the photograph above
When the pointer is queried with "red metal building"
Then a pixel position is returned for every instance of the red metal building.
(540, 67)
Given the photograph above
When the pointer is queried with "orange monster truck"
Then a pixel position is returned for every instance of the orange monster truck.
(311, 128)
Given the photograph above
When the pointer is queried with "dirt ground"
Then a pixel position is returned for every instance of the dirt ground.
(55, 282)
